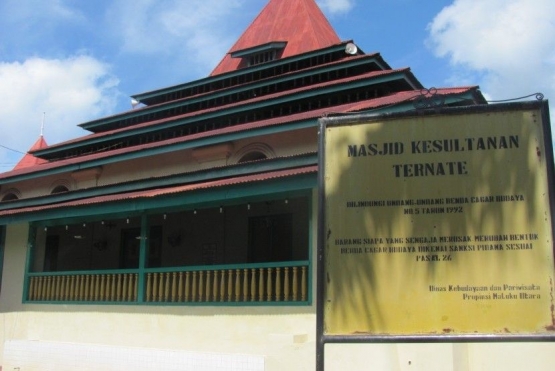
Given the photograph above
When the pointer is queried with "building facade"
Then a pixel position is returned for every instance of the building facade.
(182, 234)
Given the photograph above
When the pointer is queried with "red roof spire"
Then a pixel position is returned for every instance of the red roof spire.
(300, 23)
(29, 160)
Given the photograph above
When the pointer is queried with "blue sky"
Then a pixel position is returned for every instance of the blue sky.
(72, 61)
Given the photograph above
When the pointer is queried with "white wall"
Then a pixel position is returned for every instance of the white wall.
(441, 357)
(41, 355)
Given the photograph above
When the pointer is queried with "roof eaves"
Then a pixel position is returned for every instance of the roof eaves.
(412, 80)
(218, 172)
(154, 93)
(178, 102)
(150, 149)
(7, 216)
(293, 94)
(296, 121)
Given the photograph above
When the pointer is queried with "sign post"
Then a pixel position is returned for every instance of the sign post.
(437, 226)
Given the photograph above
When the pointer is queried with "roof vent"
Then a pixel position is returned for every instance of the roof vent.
(261, 53)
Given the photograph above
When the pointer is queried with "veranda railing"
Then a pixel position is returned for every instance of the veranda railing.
(283, 282)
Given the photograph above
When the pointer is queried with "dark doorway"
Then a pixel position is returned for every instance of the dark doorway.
(51, 253)
(155, 247)
(131, 244)
(130, 248)
(270, 238)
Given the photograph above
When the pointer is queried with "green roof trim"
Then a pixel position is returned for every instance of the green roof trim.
(169, 181)
(96, 124)
(165, 148)
(172, 89)
(237, 108)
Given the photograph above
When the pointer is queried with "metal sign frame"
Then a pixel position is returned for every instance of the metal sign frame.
(354, 119)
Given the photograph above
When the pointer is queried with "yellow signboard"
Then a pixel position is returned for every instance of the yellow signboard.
(438, 224)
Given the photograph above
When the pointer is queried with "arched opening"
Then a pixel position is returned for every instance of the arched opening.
(252, 152)
(10, 197)
(252, 156)
(60, 189)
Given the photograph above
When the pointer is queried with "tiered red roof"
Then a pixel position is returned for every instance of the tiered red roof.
(300, 23)
(393, 99)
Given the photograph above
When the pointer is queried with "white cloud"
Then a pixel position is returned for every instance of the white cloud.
(507, 45)
(336, 6)
(70, 91)
(192, 30)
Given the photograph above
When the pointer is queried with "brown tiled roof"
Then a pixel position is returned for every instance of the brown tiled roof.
(300, 23)
(159, 192)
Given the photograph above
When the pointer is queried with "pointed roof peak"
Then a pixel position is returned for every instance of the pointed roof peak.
(300, 24)
(29, 160)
